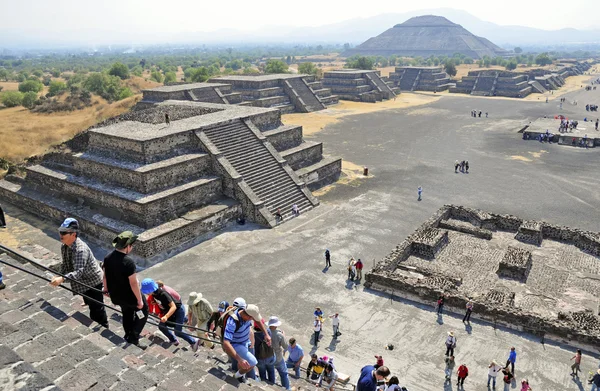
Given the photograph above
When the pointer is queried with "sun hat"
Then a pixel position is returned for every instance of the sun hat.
(252, 310)
(194, 298)
(124, 239)
(274, 321)
(148, 286)
(69, 225)
(451, 333)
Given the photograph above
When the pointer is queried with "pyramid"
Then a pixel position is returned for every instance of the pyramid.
(425, 36)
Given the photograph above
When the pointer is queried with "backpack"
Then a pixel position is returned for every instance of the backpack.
(263, 351)
(222, 321)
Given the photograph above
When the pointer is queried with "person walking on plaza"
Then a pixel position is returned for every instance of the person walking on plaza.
(419, 192)
(327, 258)
(236, 336)
(456, 164)
(512, 358)
(507, 378)
(335, 323)
(328, 378)
(450, 363)
(199, 312)
(122, 285)
(450, 343)
(295, 357)
(370, 377)
(359, 267)
(462, 374)
(493, 370)
(280, 346)
(469, 309)
(379, 362)
(575, 367)
(317, 325)
(351, 269)
(466, 166)
(525, 385)
(440, 304)
(595, 381)
(172, 313)
(81, 267)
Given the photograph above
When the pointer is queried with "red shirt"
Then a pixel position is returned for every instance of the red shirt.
(359, 266)
(463, 371)
(380, 361)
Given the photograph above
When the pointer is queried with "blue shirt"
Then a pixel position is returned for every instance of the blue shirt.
(242, 335)
(367, 380)
(295, 352)
(512, 357)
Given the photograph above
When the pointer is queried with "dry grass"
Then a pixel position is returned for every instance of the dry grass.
(137, 84)
(9, 85)
(385, 71)
(24, 134)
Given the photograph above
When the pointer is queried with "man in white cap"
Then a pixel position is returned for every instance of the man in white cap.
(279, 345)
(236, 336)
(199, 311)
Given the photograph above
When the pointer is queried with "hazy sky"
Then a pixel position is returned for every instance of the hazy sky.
(154, 16)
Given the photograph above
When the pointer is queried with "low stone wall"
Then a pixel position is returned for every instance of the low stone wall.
(515, 264)
(327, 171)
(285, 139)
(475, 231)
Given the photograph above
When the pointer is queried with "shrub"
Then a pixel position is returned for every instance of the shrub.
(276, 66)
(120, 70)
(31, 85)
(170, 77)
(56, 87)
(29, 99)
(12, 98)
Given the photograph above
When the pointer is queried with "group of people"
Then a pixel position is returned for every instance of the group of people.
(477, 113)
(462, 165)
(355, 268)
(591, 107)
(567, 124)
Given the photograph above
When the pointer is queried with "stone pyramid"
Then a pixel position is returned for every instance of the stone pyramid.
(425, 36)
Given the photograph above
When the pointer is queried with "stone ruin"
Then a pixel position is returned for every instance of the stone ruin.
(359, 85)
(540, 287)
(171, 184)
(421, 79)
(530, 232)
(574, 137)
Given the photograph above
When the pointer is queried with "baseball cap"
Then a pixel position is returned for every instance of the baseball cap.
(69, 225)
(148, 286)
(253, 311)
(240, 303)
(223, 306)
(124, 239)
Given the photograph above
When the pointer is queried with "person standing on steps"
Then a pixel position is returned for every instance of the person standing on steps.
(167, 119)
(122, 285)
(280, 346)
(512, 358)
(295, 357)
(327, 258)
(80, 266)
(199, 312)
(469, 307)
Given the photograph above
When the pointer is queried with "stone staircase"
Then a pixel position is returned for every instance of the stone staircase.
(47, 342)
(416, 82)
(260, 166)
(383, 87)
(310, 100)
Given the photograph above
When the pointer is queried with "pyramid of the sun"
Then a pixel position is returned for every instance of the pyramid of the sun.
(425, 36)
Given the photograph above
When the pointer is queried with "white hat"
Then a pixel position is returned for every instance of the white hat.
(240, 303)
(252, 310)
(274, 321)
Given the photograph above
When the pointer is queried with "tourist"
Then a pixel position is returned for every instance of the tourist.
(493, 370)
(479, 113)
(512, 358)
(167, 119)
(507, 378)
(450, 343)
(327, 258)
(440, 304)
(199, 312)
(328, 378)
(295, 356)
(486, 114)
(393, 384)
(280, 346)
(525, 385)
(351, 269)
(318, 313)
(295, 210)
(315, 367)
(575, 368)
(122, 285)
(82, 270)
(278, 216)
(369, 377)
(462, 166)
(335, 323)
(3, 220)
(419, 192)
(379, 362)
(359, 268)
(546, 99)
(462, 374)
(467, 166)
(212, 323)
(595, 381)
(169, 290)
(317, 324)
(467, 317)
(236, 336)
(596, 127)
(265, 354)
(456, 164)
(449, 368)
(172, 313)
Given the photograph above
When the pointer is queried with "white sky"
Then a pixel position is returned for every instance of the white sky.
(153, 16)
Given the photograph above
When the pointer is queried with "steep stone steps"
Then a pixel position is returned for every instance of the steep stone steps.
(311, 101)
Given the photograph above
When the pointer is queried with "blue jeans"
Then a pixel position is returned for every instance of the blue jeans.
(595, 387)
(266, 369)
(243, 351)
(177, 317)
(292, 364)
(490, 377)
(283, 374)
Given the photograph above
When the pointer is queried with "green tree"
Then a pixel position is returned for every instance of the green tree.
(156, 76)
(56, 87)
(4, 74)
(450, 68)
(170, 77)
(31, 85)
(12, 98)
(511, 65)
(518, 50)
(468, 60)
(29, 99)
(360, 63)
(276, 66)
(543, 59)
(120, 70)
(137, 71)
(124, 93)
(307, 68)
(198, 75)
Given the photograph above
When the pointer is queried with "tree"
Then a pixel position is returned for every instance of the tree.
(450, 68)
(4, 74)
(543, 59)
(31, 85)
(56, 87)
(12, 98)
(198, 75)
(156, 76)
(512, 65)
(124, 93)
(307, 68)
(518, 50)
(29, 99)
(360, 63)
(276, 66)
(170, 77)
(120, 70)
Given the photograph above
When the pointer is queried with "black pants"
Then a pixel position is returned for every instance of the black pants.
(512, 366)
(97, 311)
(327, 262)
(461, 381)
(2, 220)
(467, 316)
(133, 325)
(317, 335)
(449, 350)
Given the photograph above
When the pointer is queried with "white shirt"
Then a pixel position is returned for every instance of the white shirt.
(494, 370)
(317, 325)
(335, 321)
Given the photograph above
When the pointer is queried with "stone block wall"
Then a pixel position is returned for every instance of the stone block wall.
(515, 264)
(429, 242)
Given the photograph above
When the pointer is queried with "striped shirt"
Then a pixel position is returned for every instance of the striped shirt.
(79, 264)
(242, 335)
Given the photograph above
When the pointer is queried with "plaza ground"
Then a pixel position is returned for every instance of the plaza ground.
(282, 269)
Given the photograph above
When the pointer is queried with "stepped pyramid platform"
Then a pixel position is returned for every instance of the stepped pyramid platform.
(48, 342)
(359, 85)
(286, 92)
(172, 184)
(421, 79)
(196, 92)
(494, 83)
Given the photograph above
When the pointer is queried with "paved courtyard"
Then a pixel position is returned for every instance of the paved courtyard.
(282, 269)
